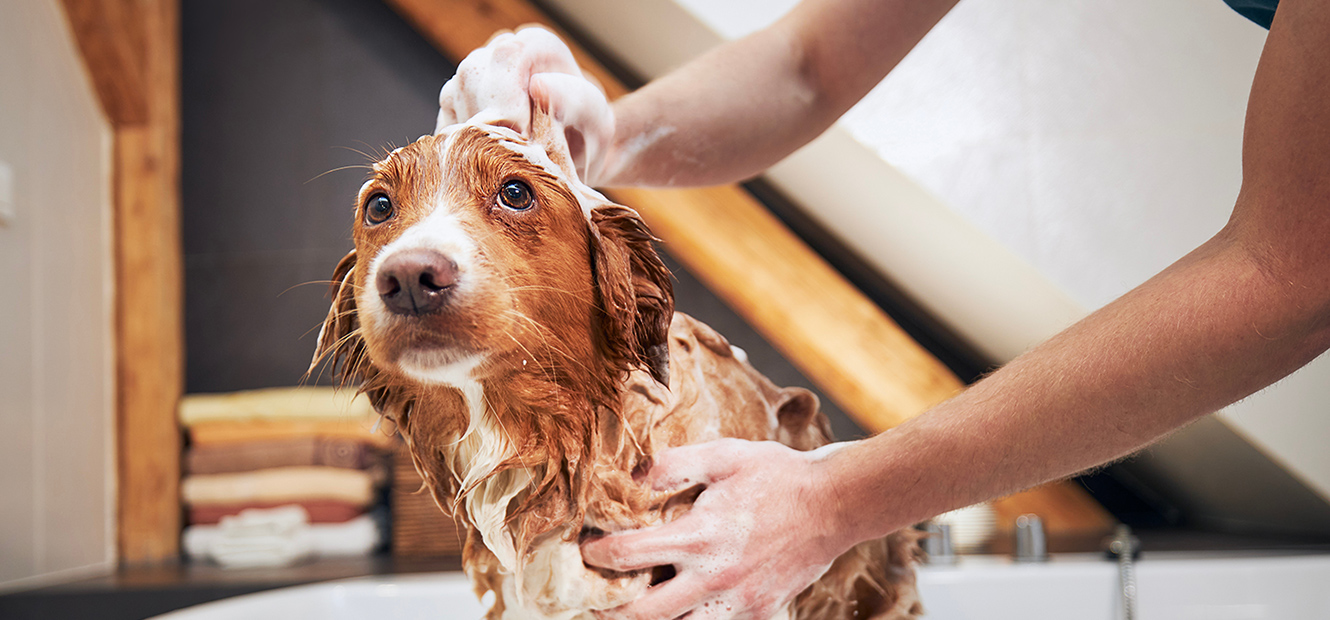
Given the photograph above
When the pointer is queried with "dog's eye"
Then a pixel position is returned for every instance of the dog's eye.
(516, 195)
(378, 209)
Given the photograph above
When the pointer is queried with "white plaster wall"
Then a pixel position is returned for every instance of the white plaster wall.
(1038, 158)
(1098, 140)
(56, 390)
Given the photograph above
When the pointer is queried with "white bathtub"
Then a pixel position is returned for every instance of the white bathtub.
(1170, 586)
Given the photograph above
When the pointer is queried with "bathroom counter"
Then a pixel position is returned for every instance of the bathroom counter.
(132, 593)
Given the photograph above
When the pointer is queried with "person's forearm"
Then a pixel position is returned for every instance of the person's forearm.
(1243, 310)
(1213, 328)
(738, 109)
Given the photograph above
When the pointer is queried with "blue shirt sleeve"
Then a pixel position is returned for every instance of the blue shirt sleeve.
(1260, 11)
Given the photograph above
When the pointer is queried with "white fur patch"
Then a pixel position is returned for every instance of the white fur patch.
(442, 232)
(476, 454)
(435, 367)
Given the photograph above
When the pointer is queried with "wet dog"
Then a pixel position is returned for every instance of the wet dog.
(519, 329)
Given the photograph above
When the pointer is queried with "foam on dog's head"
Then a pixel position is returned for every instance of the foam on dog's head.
(548, 150)
(491, 84)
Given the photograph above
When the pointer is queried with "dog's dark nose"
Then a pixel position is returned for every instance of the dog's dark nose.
(415, 282)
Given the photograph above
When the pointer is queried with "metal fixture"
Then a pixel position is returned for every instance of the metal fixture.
(1124, 548)
(938, 544)
(1031, 545)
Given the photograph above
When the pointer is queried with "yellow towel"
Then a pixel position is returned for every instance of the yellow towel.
(359, 428)
(280, 484)
(294, 403)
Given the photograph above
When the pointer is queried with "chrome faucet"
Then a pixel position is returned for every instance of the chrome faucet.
(938, 544)
(1031, 544)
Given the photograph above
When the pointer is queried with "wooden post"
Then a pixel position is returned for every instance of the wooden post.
(131, 50)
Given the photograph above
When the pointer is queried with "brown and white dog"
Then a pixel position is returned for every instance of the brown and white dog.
(519, 329)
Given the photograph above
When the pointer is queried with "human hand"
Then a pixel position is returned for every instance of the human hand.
(759, 534)
(500, 83)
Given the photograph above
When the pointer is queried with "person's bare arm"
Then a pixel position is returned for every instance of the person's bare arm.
(1246, 308)
(722, 117)
(743, 106)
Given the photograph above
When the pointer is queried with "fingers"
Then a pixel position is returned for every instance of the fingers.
(543, 51)
(499, 83)
(579, 105)
(679, 468)
(495, 78)
(671, 599)
(669, 544)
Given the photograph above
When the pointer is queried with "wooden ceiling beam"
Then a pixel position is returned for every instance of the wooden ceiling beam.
(111, 38)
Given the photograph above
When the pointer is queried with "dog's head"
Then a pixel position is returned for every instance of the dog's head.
(479, 254)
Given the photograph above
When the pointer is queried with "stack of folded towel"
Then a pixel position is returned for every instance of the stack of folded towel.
(274, 476)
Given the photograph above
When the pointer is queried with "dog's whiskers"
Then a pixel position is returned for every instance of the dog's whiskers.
(541, 330)
(538, 287)
(338, 169)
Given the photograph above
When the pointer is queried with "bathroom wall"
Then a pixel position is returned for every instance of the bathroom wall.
(282, 106)
(56, 384)
(1031, 160)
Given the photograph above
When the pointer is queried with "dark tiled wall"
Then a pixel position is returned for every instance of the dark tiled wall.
(276, 94)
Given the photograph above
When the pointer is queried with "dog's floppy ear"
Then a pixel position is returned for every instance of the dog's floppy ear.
(803, 426)
(636, 295)
(337, 339)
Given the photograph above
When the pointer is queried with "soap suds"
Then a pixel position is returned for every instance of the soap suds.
(555, 584)
(494, 87)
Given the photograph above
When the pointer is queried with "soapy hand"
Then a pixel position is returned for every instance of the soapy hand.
(500, 83)
(755, 538)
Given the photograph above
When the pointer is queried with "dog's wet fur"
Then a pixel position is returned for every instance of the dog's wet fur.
(551, 371)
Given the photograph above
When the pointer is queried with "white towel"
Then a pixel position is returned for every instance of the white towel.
(278, 537)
